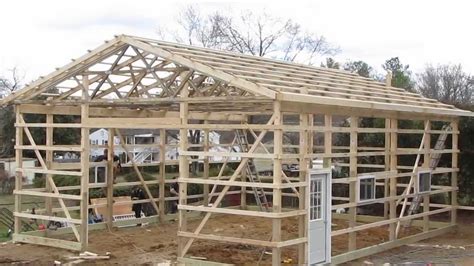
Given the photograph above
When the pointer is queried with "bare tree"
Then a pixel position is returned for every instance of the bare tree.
(250, 33)
(12, 83)
(254, 34)
(447, 83)
(8, 85)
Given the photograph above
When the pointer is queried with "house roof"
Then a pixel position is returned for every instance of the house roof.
(243, 76)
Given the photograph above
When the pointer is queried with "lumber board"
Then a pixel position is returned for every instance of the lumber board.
(46, 194)
(37, 240)
(273, 215)
(46, 217)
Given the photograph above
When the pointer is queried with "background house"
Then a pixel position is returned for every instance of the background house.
(9, 165)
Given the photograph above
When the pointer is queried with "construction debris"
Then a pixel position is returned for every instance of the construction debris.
(84, 256)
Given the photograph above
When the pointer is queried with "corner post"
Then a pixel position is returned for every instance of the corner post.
(304, 147)
(110, 177)
(393, 179)
(454, 173)
(183, 169)
(49, 161)
(19, 165)
(426, 164)
(85, 151)
(277, 152)
(386, 182)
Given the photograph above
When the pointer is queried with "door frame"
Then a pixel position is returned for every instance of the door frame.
(327, 215)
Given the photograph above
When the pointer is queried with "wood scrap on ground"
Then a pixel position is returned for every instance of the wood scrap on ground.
(85, 256)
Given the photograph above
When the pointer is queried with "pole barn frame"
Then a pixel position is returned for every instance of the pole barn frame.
(132, 83)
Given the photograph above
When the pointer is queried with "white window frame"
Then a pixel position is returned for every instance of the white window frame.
(317, 202)
(96, 172)
(358, 194)
(418, 179)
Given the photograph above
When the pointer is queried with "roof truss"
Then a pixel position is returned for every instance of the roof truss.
(128, 69)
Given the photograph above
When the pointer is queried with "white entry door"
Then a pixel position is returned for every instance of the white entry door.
(319, 216)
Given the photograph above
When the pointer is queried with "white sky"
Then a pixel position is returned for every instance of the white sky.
(38, 36)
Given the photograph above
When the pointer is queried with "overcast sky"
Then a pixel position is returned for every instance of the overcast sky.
(38, 36)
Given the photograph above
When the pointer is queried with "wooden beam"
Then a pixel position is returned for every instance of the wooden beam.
(454, 175)
(84, 213)
(46, 195)
(393, 180)
(386, 188)
(426, 165)
(183, 173)
(354, 124)
(110, 177)
(18, 174)
(130, 122)
(49, 161)
(52, 242)
(162, 175)
(206, 165)
(304, 147)
(47, 218)
(277, 181)
(272, 215)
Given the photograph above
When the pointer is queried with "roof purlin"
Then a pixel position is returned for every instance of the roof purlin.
(315, 99)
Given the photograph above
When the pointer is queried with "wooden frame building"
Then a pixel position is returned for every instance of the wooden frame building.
(350, 122)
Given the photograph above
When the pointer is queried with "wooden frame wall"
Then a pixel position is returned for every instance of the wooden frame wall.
(388, 172)
(135, 83)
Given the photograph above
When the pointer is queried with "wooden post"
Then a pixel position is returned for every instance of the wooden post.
(454, 174)
(162, 178)
(205, 173)
(183, 171)
(305, 136)
(277, 180)
(426, 164)
(18, 174)
(393, 180)
(85, 150)
(327, 162)
(49, 161)
(354, 122)
(388, 78)
(386, 189)
(110, 177)
(243, 178)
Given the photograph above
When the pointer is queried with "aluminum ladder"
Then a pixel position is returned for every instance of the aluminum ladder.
(435, 158)
(251, 170)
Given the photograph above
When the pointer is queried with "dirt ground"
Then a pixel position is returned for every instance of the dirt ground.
(156, 243)
(448, 249)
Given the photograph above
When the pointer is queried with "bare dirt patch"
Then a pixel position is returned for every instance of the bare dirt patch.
(157, 243)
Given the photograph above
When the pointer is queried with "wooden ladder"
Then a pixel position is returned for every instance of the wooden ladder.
(251, 170)
(435, 158)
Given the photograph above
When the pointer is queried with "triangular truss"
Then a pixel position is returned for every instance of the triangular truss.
(132, 69)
